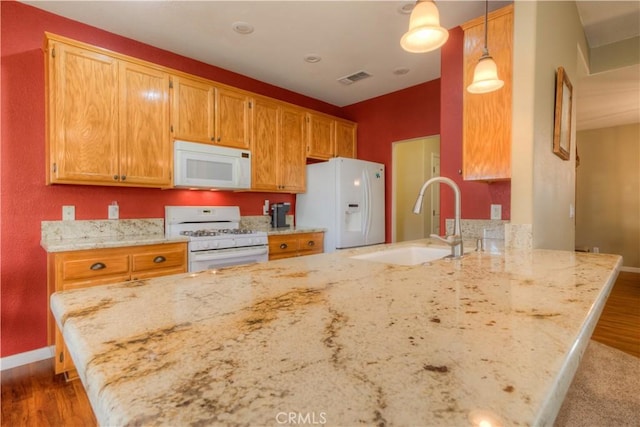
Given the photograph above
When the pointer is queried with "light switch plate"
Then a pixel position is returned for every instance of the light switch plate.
(68, 213)
(496, 211)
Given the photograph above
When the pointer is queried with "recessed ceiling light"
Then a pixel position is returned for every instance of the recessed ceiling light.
(406, 8)
(312, 58)
(401, 71)
(242, 27)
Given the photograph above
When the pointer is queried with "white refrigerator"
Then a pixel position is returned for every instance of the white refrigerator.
(346, 197)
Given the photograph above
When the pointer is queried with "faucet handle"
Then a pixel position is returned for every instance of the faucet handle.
(449, 240)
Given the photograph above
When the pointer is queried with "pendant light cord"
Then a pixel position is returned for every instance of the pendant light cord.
(485, 52)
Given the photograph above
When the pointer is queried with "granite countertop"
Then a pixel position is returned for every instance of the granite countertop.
(84, 243)
(340, 341)
(62, 236)
(294, 230)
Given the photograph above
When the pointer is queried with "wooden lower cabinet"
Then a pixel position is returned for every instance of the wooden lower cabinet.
(84, 268)
(295, 244)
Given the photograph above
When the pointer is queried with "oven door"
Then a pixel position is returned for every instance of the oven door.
(207, 260)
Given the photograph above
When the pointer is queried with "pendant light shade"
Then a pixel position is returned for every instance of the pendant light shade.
(485, 75)
(425, 33)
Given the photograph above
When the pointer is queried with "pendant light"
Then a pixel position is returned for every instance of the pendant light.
(485, 75)
(425, 33)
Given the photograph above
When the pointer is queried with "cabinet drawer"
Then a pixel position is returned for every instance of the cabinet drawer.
(159, 257)
(94, 267)
(311, 243)
(283, 245)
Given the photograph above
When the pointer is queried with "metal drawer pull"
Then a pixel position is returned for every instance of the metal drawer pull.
(98, 266)
(284, 246)
(311, 243)
(159, 259)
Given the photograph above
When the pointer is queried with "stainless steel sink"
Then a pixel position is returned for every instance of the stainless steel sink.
(406, 255)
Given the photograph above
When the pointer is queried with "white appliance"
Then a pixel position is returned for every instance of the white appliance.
(210, 166)
(215, 237)
(346, 197)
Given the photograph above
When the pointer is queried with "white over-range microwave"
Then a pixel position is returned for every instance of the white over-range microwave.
(210, 166)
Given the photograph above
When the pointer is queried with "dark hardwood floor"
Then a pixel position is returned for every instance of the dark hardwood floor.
(33, 396)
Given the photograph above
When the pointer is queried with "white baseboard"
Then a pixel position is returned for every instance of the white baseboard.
(630, 269)
(27, 357)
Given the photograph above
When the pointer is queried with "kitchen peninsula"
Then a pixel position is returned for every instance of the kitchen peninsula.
(340, 341)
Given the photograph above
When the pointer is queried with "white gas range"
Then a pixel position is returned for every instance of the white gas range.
(215, 237)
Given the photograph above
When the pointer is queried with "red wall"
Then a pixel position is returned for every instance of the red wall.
(26, 200)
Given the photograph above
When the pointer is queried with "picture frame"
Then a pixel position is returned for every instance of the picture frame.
(562, 118)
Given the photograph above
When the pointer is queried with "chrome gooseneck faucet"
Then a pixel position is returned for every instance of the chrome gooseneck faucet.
(455, 240)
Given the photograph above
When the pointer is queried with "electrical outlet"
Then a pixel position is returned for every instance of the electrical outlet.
(496, 211)
(114, 211)
(68, 213)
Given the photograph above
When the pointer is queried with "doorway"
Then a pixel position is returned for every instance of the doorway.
(414, 162)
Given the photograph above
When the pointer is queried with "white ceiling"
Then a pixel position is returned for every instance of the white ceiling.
(349, 36)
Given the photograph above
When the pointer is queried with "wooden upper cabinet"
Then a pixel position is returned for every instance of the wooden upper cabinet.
(193, 110)
(346, 141)
(320, 136)
(82, 110)
(232, 118)
(206, 113)
(329, 137)
(264, 140)
(291, 150)
(486, 147)
(278, 145)
(144, 126)
(107, 118)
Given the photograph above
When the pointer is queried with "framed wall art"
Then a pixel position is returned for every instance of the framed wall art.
(562, 120)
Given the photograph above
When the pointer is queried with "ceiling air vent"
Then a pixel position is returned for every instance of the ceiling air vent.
(350, 79)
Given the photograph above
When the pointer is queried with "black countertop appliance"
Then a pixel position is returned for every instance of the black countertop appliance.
(279, 215)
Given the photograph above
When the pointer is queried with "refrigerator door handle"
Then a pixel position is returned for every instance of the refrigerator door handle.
(367, 202)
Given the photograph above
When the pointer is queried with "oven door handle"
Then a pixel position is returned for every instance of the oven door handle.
(222, 254)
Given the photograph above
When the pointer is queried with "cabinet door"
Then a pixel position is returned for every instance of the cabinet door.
(145, 145)
(82, 114)
(232, 118)
(264, 143)
(193, 110)
(291, 153)
(320, 136)
(486, 147)
(345, 139)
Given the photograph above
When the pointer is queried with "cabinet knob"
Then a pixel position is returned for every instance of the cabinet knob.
(98, 266)
(115, 177)
(123, 177)
(219, 138)
(159, 259)
(284, 246)
(213, 139)
(311, 243)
